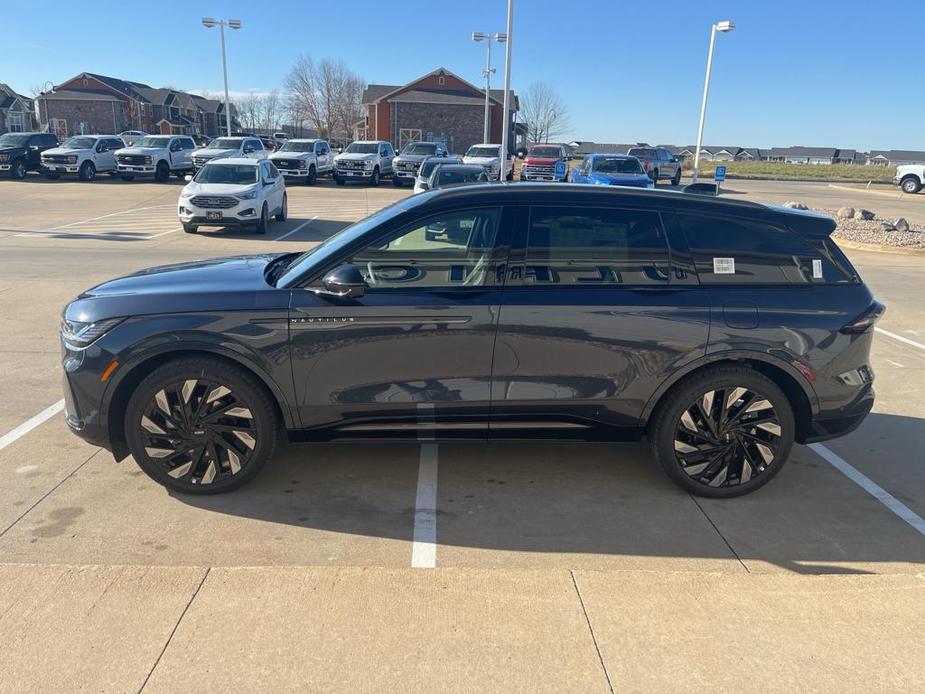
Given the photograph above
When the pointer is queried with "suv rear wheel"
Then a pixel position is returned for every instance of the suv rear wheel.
(910, 184)
(723, 432)
(201, 426)
(676, 179)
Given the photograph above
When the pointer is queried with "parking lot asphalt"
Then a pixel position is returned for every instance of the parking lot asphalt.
(564, 567)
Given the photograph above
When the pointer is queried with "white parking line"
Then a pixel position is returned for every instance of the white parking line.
(900, 338)
(424, 547)
(298, 228)
(871, 487)
(30, 424)
(105, 216)
(163, 233)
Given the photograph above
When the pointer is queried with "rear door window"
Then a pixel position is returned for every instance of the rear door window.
(571, 246)
(732, 251)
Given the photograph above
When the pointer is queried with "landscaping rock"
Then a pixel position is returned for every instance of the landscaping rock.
(901, 224)
(888, 226)
(845, 213)
(866, 215)
(795, 205)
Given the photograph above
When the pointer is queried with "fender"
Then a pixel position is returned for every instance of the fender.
(202, 344)
(772, 358)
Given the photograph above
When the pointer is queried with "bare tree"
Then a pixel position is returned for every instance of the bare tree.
(324, 93)
(544, 113)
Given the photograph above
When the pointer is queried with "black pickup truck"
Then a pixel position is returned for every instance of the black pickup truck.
(22, 152)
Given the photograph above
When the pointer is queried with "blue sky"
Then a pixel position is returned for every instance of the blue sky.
(795, 72)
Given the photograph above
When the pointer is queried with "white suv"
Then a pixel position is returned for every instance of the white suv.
(364, 160)
(84, 155)
(304, 160)
(233, 191)
(244, 147)
(157, 155)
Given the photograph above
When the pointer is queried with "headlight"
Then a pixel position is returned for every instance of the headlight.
(81, 335)
(247, 196)
(4, 157)
(149, 160)
(368, 164)
(71, 160)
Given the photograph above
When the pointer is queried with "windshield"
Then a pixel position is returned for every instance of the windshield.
(10, 140)
(225, 143)
(362, 148)
(427, 168)
(79, 143)
(446, 178)
(419, 148)
(642, 152)
(159, 142)
(235, 174)
(628, 166)
(477, 151)
(291, 146)
(335, 244)
(545, 152)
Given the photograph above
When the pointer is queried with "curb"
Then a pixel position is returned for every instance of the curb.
(901, 196)
(878, 248)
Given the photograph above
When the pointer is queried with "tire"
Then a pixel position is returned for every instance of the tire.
(374, 181)
(52, 175)
(190, 228)
(128, 177)
(162, 172)
(676, 179)
(910, 184)
(179, 173)
(200, 459)
(87, 171)
(18, 170)
(284, 210)
(312, 177)
(509, 176)
(338, 180)
(396, 181)
(655, 178)
(740, 446)
(264, 222)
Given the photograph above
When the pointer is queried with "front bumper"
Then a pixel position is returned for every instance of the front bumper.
(136, 169)
(294, 173)
(61, 168)
(5, 167)
(245, 212)
(354, 174)
(541, 177)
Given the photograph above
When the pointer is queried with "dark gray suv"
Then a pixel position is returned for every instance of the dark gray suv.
(721, 330)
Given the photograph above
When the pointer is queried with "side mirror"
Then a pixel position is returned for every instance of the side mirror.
(343, 282)
(188, 178)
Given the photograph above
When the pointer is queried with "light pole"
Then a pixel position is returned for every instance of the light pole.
(724, 27)
(487, 72)
(208, 23)
(45, 92)
(505, 117)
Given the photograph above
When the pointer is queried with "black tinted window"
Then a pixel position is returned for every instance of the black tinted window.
(728, 251)
(595, 246)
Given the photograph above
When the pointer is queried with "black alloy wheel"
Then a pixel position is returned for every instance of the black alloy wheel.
(375, 179)
(200, 426)
(18, 170)
(87, 171)
(724, 433)
(162, 172)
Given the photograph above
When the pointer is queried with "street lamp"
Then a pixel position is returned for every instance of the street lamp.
(724, 27)
(506, 130)
(208, 23)
(487, 72)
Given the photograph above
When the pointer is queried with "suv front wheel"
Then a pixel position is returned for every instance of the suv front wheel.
(201, 426)
(723, 432)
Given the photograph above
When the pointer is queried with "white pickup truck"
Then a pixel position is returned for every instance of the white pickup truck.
(304, 160)
(157, 155)
(910, 177)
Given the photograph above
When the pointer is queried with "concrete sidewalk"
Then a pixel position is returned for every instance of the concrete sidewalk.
(169, 629)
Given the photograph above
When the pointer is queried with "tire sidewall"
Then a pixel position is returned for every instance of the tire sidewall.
(244, 388)
(87, 171)
(680, 398)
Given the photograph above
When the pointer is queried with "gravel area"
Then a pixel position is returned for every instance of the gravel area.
(872, 231)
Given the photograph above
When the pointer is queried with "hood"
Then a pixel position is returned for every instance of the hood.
(543, 161)
(214, 153)
(413, 157)
(11, 150)
(194, 188)
(141, 150)
(292, 155)
(201, 285)
(484, 161)
(617, 179)
(62, 150)
(355, 156)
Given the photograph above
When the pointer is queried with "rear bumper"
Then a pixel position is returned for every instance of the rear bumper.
(830, 425)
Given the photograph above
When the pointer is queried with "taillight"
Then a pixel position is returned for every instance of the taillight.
(866, 320)
(645, 166)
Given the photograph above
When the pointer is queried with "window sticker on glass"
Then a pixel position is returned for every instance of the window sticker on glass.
(724, 266)
(817, 269)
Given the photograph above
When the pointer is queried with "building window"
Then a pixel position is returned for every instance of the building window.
(441, 80)
(16, 122)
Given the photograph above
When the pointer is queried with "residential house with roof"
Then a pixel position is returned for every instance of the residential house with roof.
(751, 154)
(15, 111)
(439, 106)
(894, 157)
(588, 147)
(803, 155)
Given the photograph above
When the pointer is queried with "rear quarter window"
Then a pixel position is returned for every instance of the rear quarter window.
(733, 251)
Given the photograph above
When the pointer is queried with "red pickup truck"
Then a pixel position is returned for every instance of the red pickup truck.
(545, 163)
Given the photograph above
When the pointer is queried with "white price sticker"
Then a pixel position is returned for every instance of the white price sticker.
(817, 269)
(724, 266)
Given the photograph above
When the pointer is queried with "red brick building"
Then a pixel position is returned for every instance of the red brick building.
(439, 106)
